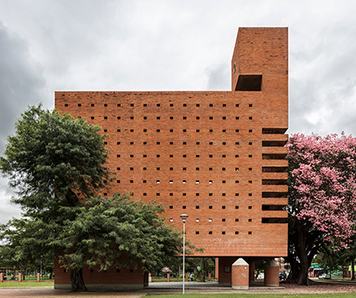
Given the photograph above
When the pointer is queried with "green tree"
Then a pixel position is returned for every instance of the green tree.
(57, 165)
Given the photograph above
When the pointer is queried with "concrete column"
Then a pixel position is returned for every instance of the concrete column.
(145, 279)
(149, 277)
(252, 270)
(271, 274)
(240, 274)
(187, 277)
(38, 277)
(20, 276)
(1, 277)
(217, 268)
(168, 277)
(209, 276)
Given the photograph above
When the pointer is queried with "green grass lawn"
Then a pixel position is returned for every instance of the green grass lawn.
(25, 284)
(336, 295)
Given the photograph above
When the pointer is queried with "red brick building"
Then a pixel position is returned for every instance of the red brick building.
(217, 156)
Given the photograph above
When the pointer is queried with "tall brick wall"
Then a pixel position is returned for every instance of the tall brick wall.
(216, 156)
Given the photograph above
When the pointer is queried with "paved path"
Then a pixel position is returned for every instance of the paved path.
(176, 288)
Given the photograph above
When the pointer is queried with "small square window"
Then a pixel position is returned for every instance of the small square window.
(236, 156)
(210, 169)
(236, 181)
(237, 118)
(118, 155)
(197, 156)
(224, 118)
(223, 156)
(132, 117)
(119, 104)
(171, 104)
(117, 181)
(211, 118)
(171, 194)
(210, 155)
(145, 155)
(105, 130)
(92, 117)
(184, 104)
(158, 130)
(223, 169)
(184, 194)
(118, 169)
(66, 105)
(158, 168)
(223, 220)
(250, 130)
(224, 130)
(184, 117)
(118, 117)
(210, 232)
(223, 232)
(171, 130)
(198, 105)
(105, 117)
(249, 232)
(237, 130)
(237, 105)
(224, 143)
(250, 105)
(184, 156)
(158, 117)
(184, 143)
(184, 130)
(158, 143)
(210, 130)
(170, 207)
(171, 118)
(250, 155)
(79, 104)
(144, 194)
(236, 194)
(250, 194)
(145, 104)
(158, 105)
(224, 105)
(210, 194)
(131, 143)
(227, 269)
(158, 194)
(131, 169)
(170, 143)
(144, 168)
(184, 207)
(197, 143)
(236, 232)
(171, 169)
(250, 143)
(197, 232)
(250, 118)
(249, 207)
(184, 169)
(210, 105)
(197, 169)
(131, 104)
(144, 130)
(131, 155)
(197, 117)
(196, 207)
(158, 155)
(210, 207)
(210, 143)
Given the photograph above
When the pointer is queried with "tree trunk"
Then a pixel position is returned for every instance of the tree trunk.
(353, 269)
(77, 281)
(304, 263)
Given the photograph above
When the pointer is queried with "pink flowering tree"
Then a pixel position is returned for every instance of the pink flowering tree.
(322, 196)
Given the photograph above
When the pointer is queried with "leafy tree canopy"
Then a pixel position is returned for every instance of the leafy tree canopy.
(322, 195)
(57, 165)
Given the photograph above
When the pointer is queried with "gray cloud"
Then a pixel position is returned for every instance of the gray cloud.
(172, 45)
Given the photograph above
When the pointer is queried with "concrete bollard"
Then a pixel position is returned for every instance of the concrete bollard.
(168, 277)
(186, 277)
(38, 277)
(1, 277)
(20, 276)
(209, 276)
(240, 274)
(271, 274)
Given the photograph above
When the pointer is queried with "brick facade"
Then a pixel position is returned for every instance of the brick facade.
(216, 156)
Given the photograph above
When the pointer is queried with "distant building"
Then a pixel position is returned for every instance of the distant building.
(217, 156)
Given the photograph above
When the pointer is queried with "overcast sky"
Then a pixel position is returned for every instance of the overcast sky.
(48, 45)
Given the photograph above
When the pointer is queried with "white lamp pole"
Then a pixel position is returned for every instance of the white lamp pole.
(184, 218)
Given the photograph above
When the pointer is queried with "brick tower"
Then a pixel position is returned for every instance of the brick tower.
(217, 156)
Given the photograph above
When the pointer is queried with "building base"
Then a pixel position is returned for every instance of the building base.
(104, 287)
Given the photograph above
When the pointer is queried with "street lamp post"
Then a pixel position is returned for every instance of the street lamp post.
(184, 219)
